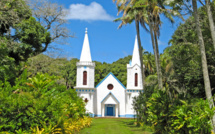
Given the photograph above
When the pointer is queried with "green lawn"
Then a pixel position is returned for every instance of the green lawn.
(113, 126)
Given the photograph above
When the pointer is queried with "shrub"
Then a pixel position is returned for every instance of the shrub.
(38, 103)
(178, 116)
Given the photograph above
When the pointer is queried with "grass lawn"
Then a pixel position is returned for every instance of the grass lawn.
(113, 126)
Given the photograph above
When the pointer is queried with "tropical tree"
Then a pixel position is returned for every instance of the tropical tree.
(154, 10)
(149, 62)
(211, 22)
(186, 55)
(131, 14)
(179, 4)
(68, 72)
(12, 12)
(154, 24)
(147, 11)
(21, 37)
(203, 58)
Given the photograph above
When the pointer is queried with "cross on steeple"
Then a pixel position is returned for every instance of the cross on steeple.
(86, 30)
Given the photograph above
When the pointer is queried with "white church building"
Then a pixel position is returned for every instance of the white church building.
(110, 97)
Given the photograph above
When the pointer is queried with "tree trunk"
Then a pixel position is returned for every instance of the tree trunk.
(160, 82)
(211, 22)
(154, 46)
(67, 83)
(140, 51)
(204, 60)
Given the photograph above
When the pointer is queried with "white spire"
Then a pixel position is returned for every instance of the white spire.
(85, 53)
(136, 56)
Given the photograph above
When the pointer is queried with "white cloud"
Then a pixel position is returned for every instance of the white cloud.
(91, 12)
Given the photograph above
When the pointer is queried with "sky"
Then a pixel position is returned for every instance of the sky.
(107, 42)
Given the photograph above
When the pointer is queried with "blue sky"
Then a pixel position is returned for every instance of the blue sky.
(107, 42)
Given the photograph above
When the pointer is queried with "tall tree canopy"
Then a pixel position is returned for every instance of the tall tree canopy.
(21, 36)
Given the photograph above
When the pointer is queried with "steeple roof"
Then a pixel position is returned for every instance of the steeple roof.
(136, 56)
(85, 53)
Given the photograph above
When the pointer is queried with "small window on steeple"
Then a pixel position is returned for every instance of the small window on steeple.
(136, 79)
(85, 78)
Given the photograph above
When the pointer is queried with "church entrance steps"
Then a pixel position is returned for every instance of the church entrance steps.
(112, 117)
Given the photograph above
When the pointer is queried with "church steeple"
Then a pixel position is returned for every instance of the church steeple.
(134, 76)
(135, 56)
(85, 53)
(85, 67)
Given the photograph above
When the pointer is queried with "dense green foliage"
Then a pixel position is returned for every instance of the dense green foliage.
(21, 37)
(182, 106)
(58, 67)
(37, 102)
(185, 50)
(118, 68)
(176, 116)
(42, 99)
(66, 69)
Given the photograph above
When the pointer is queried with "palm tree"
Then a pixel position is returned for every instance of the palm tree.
(147, 12)
(204, 60)
(133, 11)
(156, 8)
(148, 62)
(132, 14)
(156, 51)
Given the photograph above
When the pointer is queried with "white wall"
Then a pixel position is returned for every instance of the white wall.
(95, 103)
(90, 76)
(129, 101)
(131, 75)
(118, 91)
(90, 97)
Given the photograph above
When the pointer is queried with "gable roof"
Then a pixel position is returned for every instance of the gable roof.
(114, 77)
(110, 94)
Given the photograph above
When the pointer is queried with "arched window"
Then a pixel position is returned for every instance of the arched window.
(136, 79)
(85, 78)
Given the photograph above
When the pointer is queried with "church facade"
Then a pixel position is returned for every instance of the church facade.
(110, 97)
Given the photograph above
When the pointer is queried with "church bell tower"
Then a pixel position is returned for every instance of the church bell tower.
(85, 67)
(85, 76)
(134, 79)
(134, 76)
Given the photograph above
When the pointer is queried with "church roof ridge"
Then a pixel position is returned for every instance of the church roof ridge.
(85, 53)
(114, 77)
